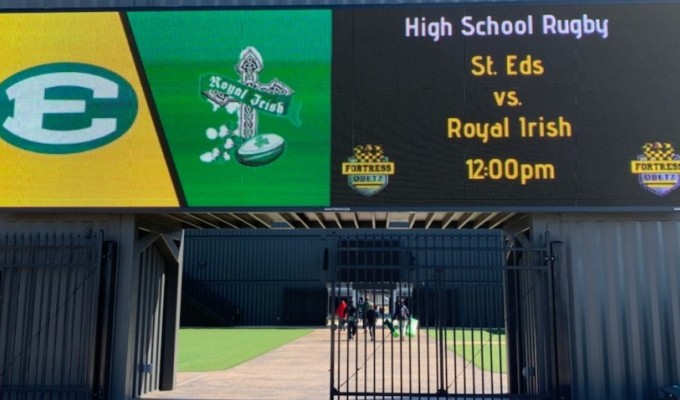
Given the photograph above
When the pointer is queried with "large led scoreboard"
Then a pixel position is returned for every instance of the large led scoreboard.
(515, 106)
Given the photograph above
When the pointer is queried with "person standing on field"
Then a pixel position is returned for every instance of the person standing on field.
(364, 306)
(351, 318)
(340, 312)
(370, 317)
(402, 315)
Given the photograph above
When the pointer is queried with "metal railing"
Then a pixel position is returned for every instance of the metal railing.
(460, 295)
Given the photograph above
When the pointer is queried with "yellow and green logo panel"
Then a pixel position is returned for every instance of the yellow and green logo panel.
(75, 127)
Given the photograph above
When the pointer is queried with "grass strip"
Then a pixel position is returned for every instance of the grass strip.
(214, 349)
(485, 349)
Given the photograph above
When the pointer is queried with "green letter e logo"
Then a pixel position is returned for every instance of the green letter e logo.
(65, 108)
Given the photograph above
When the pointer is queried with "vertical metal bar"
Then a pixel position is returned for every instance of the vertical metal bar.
(151, 321)
(146, 347)
(330, 254)
(417, 301)
(140, 327)
(346, 382)
(473, 346)
(401, 339)
(385, 279)
(142, 324)
(69, 317)
(27, 345)
(106, 263)
(4, 300)
(428, 320)
(22, 326)
(374, 312)
(76, 309)
(60, 324)
(355, 340)
(46, 320)
(15, 282)
(499, 362)
(449, 329)
(90, 298)
(459, 332)
(4, 307)
(161, 281)
(57, 345)
(440, 323)
(450, 317)
(39, 304)
(454, 318)
(84, 300)
(364, 364)
(19, 315)
(553, 319)
(392, 304)
(407, 322)
(482, 341)
(157, 280)
(339, 348)
(530, 310)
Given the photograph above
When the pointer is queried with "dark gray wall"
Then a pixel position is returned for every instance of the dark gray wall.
(619, 279)
(114, 229)
(144, 317)
(254, 269)
(257, 271)
(49, 290)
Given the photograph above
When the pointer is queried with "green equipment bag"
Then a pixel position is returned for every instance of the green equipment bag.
(412, 327)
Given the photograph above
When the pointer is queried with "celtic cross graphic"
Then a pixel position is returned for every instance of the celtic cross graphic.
(249, 67)
(249, 97)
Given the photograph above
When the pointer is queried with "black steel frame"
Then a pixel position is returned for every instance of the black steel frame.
(485, 309)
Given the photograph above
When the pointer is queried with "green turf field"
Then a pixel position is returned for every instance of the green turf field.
(485, 349)
(213, 349)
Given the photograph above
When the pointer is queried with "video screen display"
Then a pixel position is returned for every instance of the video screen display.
(513, 106)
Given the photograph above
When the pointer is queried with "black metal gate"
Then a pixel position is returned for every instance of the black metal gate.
(482, 307)
(52, 341)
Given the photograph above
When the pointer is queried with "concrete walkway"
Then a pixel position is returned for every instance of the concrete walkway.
(300, 370)
(296, 371)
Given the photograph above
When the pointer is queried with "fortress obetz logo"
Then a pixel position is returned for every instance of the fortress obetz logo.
(368, 170)
(65, 108)
(658, 168)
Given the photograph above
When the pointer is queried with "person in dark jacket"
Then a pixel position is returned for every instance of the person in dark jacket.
(351, 318)
(371, 316)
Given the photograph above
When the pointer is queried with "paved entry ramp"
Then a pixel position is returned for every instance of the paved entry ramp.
(295, 371)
